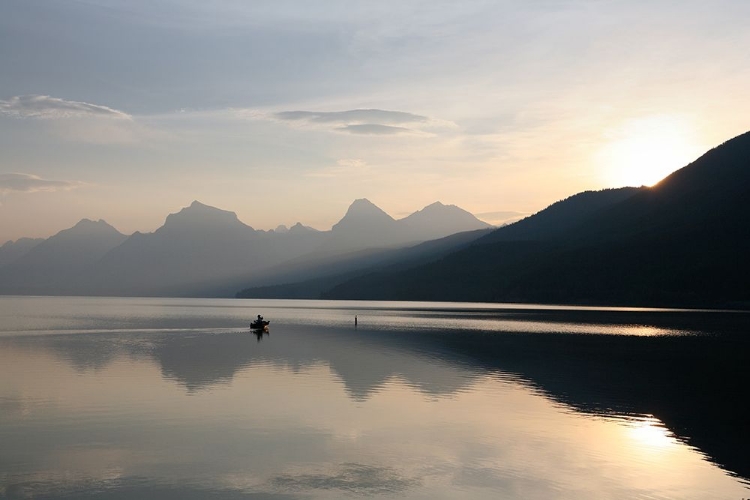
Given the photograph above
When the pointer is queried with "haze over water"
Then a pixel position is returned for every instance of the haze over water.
(176, 398)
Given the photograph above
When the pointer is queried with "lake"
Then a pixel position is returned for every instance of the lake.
(117, 398)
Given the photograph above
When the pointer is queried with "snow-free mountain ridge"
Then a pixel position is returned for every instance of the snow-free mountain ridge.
(197, 248)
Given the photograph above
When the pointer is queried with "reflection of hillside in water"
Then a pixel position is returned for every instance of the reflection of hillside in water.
(694, 384)
(361, 359)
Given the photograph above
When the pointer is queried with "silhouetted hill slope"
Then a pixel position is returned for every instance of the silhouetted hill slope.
(11, 251)
(709, 193)
(310, 278)
(560, 217)
(54, 265)
(683, 242)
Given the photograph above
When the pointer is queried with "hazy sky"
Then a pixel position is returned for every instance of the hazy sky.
(286, 111)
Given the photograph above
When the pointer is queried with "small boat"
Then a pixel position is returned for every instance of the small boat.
(259, 324)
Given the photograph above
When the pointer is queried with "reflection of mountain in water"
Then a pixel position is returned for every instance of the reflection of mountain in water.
(694, 384)
(84, 352)
(362, 360)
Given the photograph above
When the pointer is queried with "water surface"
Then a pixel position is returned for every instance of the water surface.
(176, 398)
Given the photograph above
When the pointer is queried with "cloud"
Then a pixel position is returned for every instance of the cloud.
(361, 121)
(373, 129)
(80, 121)
(46, 107)
(352, 116)
(28, 183)
(354, 121)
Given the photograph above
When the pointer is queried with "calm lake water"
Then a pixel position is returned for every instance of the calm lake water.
(175, 398)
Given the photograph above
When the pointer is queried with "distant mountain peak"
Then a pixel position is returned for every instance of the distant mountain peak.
(363, 209)
(450, 217)
(362, 213)
(364, 206)
(198, 206)
(439, 207)
(200, 215)
(88, 226)
(299, 228)
(364, 225)
(91, 223)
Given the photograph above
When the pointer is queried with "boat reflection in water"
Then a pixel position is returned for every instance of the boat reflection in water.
(260, 332)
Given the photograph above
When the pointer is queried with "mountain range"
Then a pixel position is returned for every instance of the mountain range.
(683, 242)
(202, 250)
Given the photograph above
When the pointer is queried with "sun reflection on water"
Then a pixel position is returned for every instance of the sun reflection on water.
(651, 432)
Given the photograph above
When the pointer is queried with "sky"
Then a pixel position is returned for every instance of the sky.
(287, 111)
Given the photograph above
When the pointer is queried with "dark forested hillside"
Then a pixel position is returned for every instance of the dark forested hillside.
(683, 242)
(559, 218)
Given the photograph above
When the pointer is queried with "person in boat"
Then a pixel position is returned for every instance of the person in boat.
(260, 318)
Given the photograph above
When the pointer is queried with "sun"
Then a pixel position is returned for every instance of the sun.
(643, 151)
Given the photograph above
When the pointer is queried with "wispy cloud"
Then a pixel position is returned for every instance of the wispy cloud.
(28, 183)
(357, 121)
(352, 116)
(78, 121)
(374, 129)
(46, 107)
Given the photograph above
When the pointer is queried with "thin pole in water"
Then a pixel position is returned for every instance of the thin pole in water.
(355, 320)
